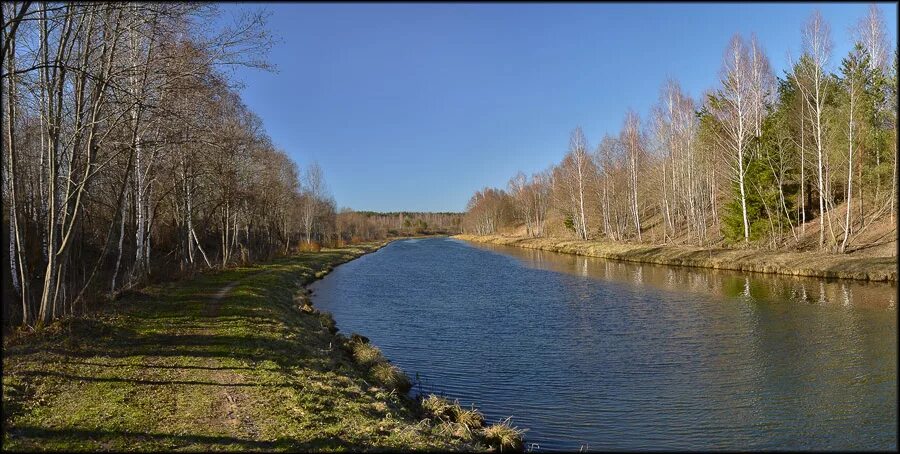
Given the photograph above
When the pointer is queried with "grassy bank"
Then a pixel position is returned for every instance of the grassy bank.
(231, 360)
(792, 263)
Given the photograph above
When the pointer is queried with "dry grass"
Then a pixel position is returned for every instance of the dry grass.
(380, 369)
(438, 407)
(504, 437)
(814, 264)
(312, 246)
(390, 377)
(453, 418)
(365, 354)
(470, 418)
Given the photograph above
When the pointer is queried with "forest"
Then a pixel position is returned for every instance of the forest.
(802, 161)
(129, 156)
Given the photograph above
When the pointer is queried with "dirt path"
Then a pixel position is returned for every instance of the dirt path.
(231, 399)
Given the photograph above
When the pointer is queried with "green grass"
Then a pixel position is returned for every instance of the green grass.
(173, 367)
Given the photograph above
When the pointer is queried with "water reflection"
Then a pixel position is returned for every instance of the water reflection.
(617, 355)
(753, 286)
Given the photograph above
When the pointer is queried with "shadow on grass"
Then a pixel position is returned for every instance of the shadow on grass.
(168, 342)
(136, 381)
(44, 438)
(157, 366)
(111, 341)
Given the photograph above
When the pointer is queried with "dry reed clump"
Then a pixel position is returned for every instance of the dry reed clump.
(470, 418)
(379, 368)
(443, 409)
(504, 437)
(365, 354)
(438, 407)
(312, 246)
(390, 376)
(461, 422)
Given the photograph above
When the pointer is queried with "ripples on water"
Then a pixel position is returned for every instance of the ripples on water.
(588, 352)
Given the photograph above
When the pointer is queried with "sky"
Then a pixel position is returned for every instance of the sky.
(413, 107)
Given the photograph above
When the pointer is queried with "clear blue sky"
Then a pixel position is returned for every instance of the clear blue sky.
(416, 106)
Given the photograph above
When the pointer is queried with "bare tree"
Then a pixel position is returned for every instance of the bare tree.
(733, 107)
(575, 172)
(632, 141)
(811, 77)
(314, 192)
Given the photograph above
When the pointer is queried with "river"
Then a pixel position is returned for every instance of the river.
(598, 354)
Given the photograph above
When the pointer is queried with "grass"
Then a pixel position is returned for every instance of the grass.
(505, 438)
(465, 422)
(815, 264)
(380, 370)
(188, 366)
(439, 407)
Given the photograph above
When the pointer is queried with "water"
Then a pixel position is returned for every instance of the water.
(610, 355)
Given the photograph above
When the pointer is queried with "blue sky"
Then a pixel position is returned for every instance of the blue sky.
(416, 106)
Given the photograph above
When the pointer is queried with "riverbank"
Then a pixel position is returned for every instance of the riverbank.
(232, 360)
(811, 264)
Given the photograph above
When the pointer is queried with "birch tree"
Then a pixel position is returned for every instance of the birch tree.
(732, 106)
(632, 142)
(812, 80)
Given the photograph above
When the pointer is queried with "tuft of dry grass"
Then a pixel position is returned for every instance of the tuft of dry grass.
(390, 376)
(453, 418)
(365, 354)
(504, 437)
(470, 418)
(379, 368)
(438, 407)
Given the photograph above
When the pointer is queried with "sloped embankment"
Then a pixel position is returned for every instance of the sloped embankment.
(232, 360)
(812, 264)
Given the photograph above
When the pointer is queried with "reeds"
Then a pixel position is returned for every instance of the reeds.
(504, 437)
(379, 368)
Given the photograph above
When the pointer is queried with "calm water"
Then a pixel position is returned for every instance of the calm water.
(612, 355)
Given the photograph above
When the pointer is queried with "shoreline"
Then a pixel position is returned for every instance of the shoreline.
(235, 359)
(465, 423)
(808, 264)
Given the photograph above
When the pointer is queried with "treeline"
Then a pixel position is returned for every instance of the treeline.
(129, 156)
(355, 226)
(756, 161)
